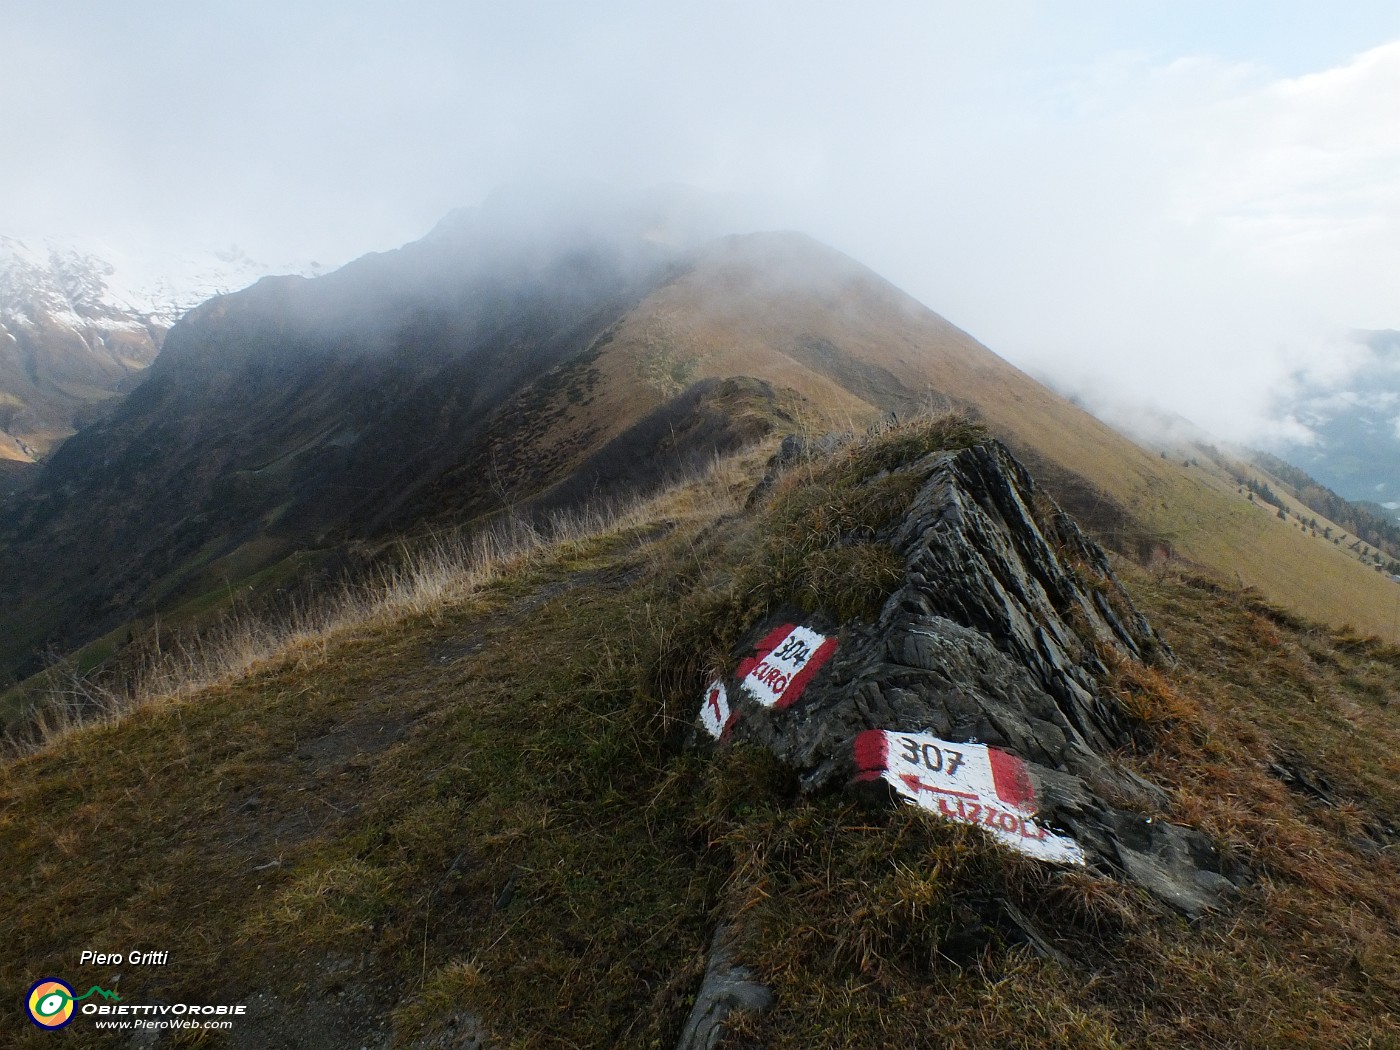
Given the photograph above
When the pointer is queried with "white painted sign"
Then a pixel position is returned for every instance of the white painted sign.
(783, 663)
(715, 713)
(968, 783)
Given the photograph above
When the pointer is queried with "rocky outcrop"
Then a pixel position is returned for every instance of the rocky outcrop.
(997, 638)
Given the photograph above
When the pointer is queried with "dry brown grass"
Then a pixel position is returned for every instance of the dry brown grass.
(429, 575)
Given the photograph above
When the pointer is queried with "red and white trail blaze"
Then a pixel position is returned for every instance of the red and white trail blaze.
(969, 783)
(783, 663)
(715, 713)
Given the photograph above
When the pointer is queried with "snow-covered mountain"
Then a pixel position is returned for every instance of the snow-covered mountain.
(67, 344)
(79, 324)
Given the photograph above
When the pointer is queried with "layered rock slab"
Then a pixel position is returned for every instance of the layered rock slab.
(997, 635)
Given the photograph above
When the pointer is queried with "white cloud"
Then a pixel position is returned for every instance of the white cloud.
(1302, 177)
(1189, 234)
(1084, 187)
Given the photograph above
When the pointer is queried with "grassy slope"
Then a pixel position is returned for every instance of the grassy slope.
(749, 302)
(57, 375)
(484, 806)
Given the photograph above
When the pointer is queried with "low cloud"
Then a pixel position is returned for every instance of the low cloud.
(1141, 215)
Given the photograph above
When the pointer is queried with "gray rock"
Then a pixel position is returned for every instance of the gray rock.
(725, 988)
(998, 635)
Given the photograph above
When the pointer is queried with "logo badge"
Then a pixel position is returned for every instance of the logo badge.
(50, 1003)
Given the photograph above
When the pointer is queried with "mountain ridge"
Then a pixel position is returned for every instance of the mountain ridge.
(287, 427)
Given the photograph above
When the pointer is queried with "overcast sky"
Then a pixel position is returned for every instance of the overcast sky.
(1173, 202)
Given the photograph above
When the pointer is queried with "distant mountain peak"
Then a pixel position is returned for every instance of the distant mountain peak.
(1352, 422)
(50, 281)
(67, 343)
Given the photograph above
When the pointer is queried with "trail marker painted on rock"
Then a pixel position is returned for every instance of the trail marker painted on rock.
(783, 663)
(968, 783)
(715, 713)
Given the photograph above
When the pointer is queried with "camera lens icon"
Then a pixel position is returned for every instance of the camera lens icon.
(50, 1003)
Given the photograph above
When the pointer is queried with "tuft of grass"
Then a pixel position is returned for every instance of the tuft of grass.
(324, 906)
(819, 540)
(1161, 715)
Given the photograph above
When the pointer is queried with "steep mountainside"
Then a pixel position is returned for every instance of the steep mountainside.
(503, 363)
(1368, 525)
(299, 414)
(785, 308)
(66, 347)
